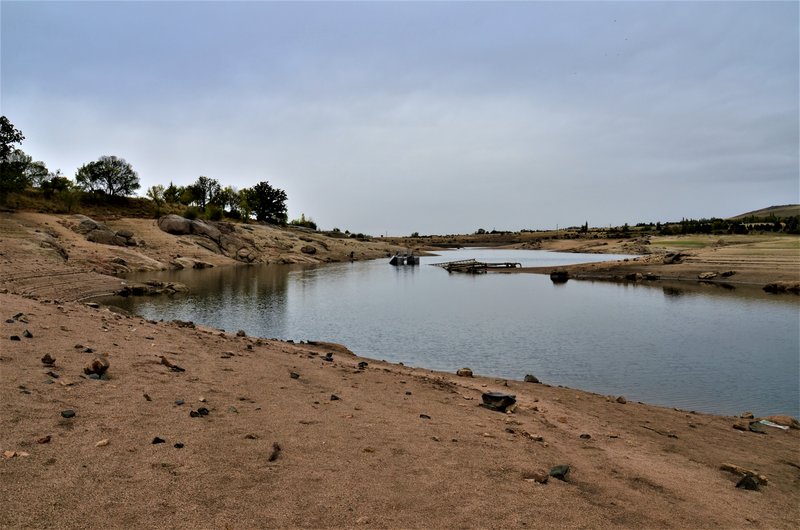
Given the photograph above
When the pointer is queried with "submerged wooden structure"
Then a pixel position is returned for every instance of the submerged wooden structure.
(472, 266)
(404, 259)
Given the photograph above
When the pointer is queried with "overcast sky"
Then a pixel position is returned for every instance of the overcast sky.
(432, 117)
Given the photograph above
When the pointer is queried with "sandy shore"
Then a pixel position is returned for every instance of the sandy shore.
(400, 447)
(335, 445)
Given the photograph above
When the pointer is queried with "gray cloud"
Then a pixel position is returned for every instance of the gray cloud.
(430, 117)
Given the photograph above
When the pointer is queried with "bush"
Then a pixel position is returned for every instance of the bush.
(190, 213)
(213, 213)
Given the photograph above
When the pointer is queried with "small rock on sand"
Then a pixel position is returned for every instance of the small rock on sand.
(103, 443)
(531, 379)
(560, 472)
(748, 482)
(464, 372)
(622, 400)
(68, 413)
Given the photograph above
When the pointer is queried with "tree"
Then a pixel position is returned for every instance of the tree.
(109, 175)
(156, 194)
(9, 135)
(267, 203)
(204, 190)
(13, 161)
(172, 193)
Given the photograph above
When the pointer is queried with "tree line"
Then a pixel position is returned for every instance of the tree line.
(111, 179)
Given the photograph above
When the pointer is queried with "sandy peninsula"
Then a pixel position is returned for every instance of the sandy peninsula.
(191, 427)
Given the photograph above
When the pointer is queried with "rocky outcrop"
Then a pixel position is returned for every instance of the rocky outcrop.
(102, 234)
(151, 288)
(218, 237)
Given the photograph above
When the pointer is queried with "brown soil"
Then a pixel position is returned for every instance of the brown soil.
(401, 447)
(737, 261)
(40, 253)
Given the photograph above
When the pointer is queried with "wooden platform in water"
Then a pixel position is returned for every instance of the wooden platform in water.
(472, 266)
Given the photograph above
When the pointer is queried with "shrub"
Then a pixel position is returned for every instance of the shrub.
(190, 213)
(213, 212)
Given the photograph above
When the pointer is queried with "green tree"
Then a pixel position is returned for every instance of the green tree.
(109, 175)
(172, 193)
(156, 194)
(304, 221)
(267, 203)
(227, 198)
(13, 161)
(9, 135)
(204, 190)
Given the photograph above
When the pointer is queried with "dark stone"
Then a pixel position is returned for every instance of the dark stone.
(424, 416)
(559, 276)
(158, 440)
(408, 392)
(294, 375)
(328, 358)
(98, 366)
(10, 321)
(88, 350)
(334, 397)
(48, 360)
(308, 249)
(241, 333)
(93, 305)
(497, 401)
(194, 414)
(585, 436)
(276, 451)
(531, 379)
(178, 445)
(362, 365)
(53, 374)
(179, 402)
(68, 413)
(560, 472)
(757, 427)
(203, 411)
(96, 377)
(748, 482)
(14, 337)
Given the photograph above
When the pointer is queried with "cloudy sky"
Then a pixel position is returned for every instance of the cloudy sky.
(433, 117)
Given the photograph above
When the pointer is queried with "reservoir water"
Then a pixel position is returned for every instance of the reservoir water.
(717, 352)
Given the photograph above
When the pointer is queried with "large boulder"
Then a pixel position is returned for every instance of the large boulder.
(202, 228)
(106, 236)
(175, 224)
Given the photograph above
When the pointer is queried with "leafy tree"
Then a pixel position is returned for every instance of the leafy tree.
(9, 135)
(109, 175)
(304, 221)
(267, 203)
(172, 193)
(156, 194)
(55, 183)
(204, 190)
(13, 161)
(227, 198)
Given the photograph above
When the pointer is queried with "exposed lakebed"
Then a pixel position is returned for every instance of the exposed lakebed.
(680, 348)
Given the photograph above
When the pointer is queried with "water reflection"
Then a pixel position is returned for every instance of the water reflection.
(685, 345)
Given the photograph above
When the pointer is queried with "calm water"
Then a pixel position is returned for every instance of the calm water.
(723, 353)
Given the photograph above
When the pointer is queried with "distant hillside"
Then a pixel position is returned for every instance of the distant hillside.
(778, 211)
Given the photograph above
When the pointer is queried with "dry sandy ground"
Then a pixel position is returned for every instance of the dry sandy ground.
(753, 260)
(33, 248)
(400, 448)
(368, 459)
